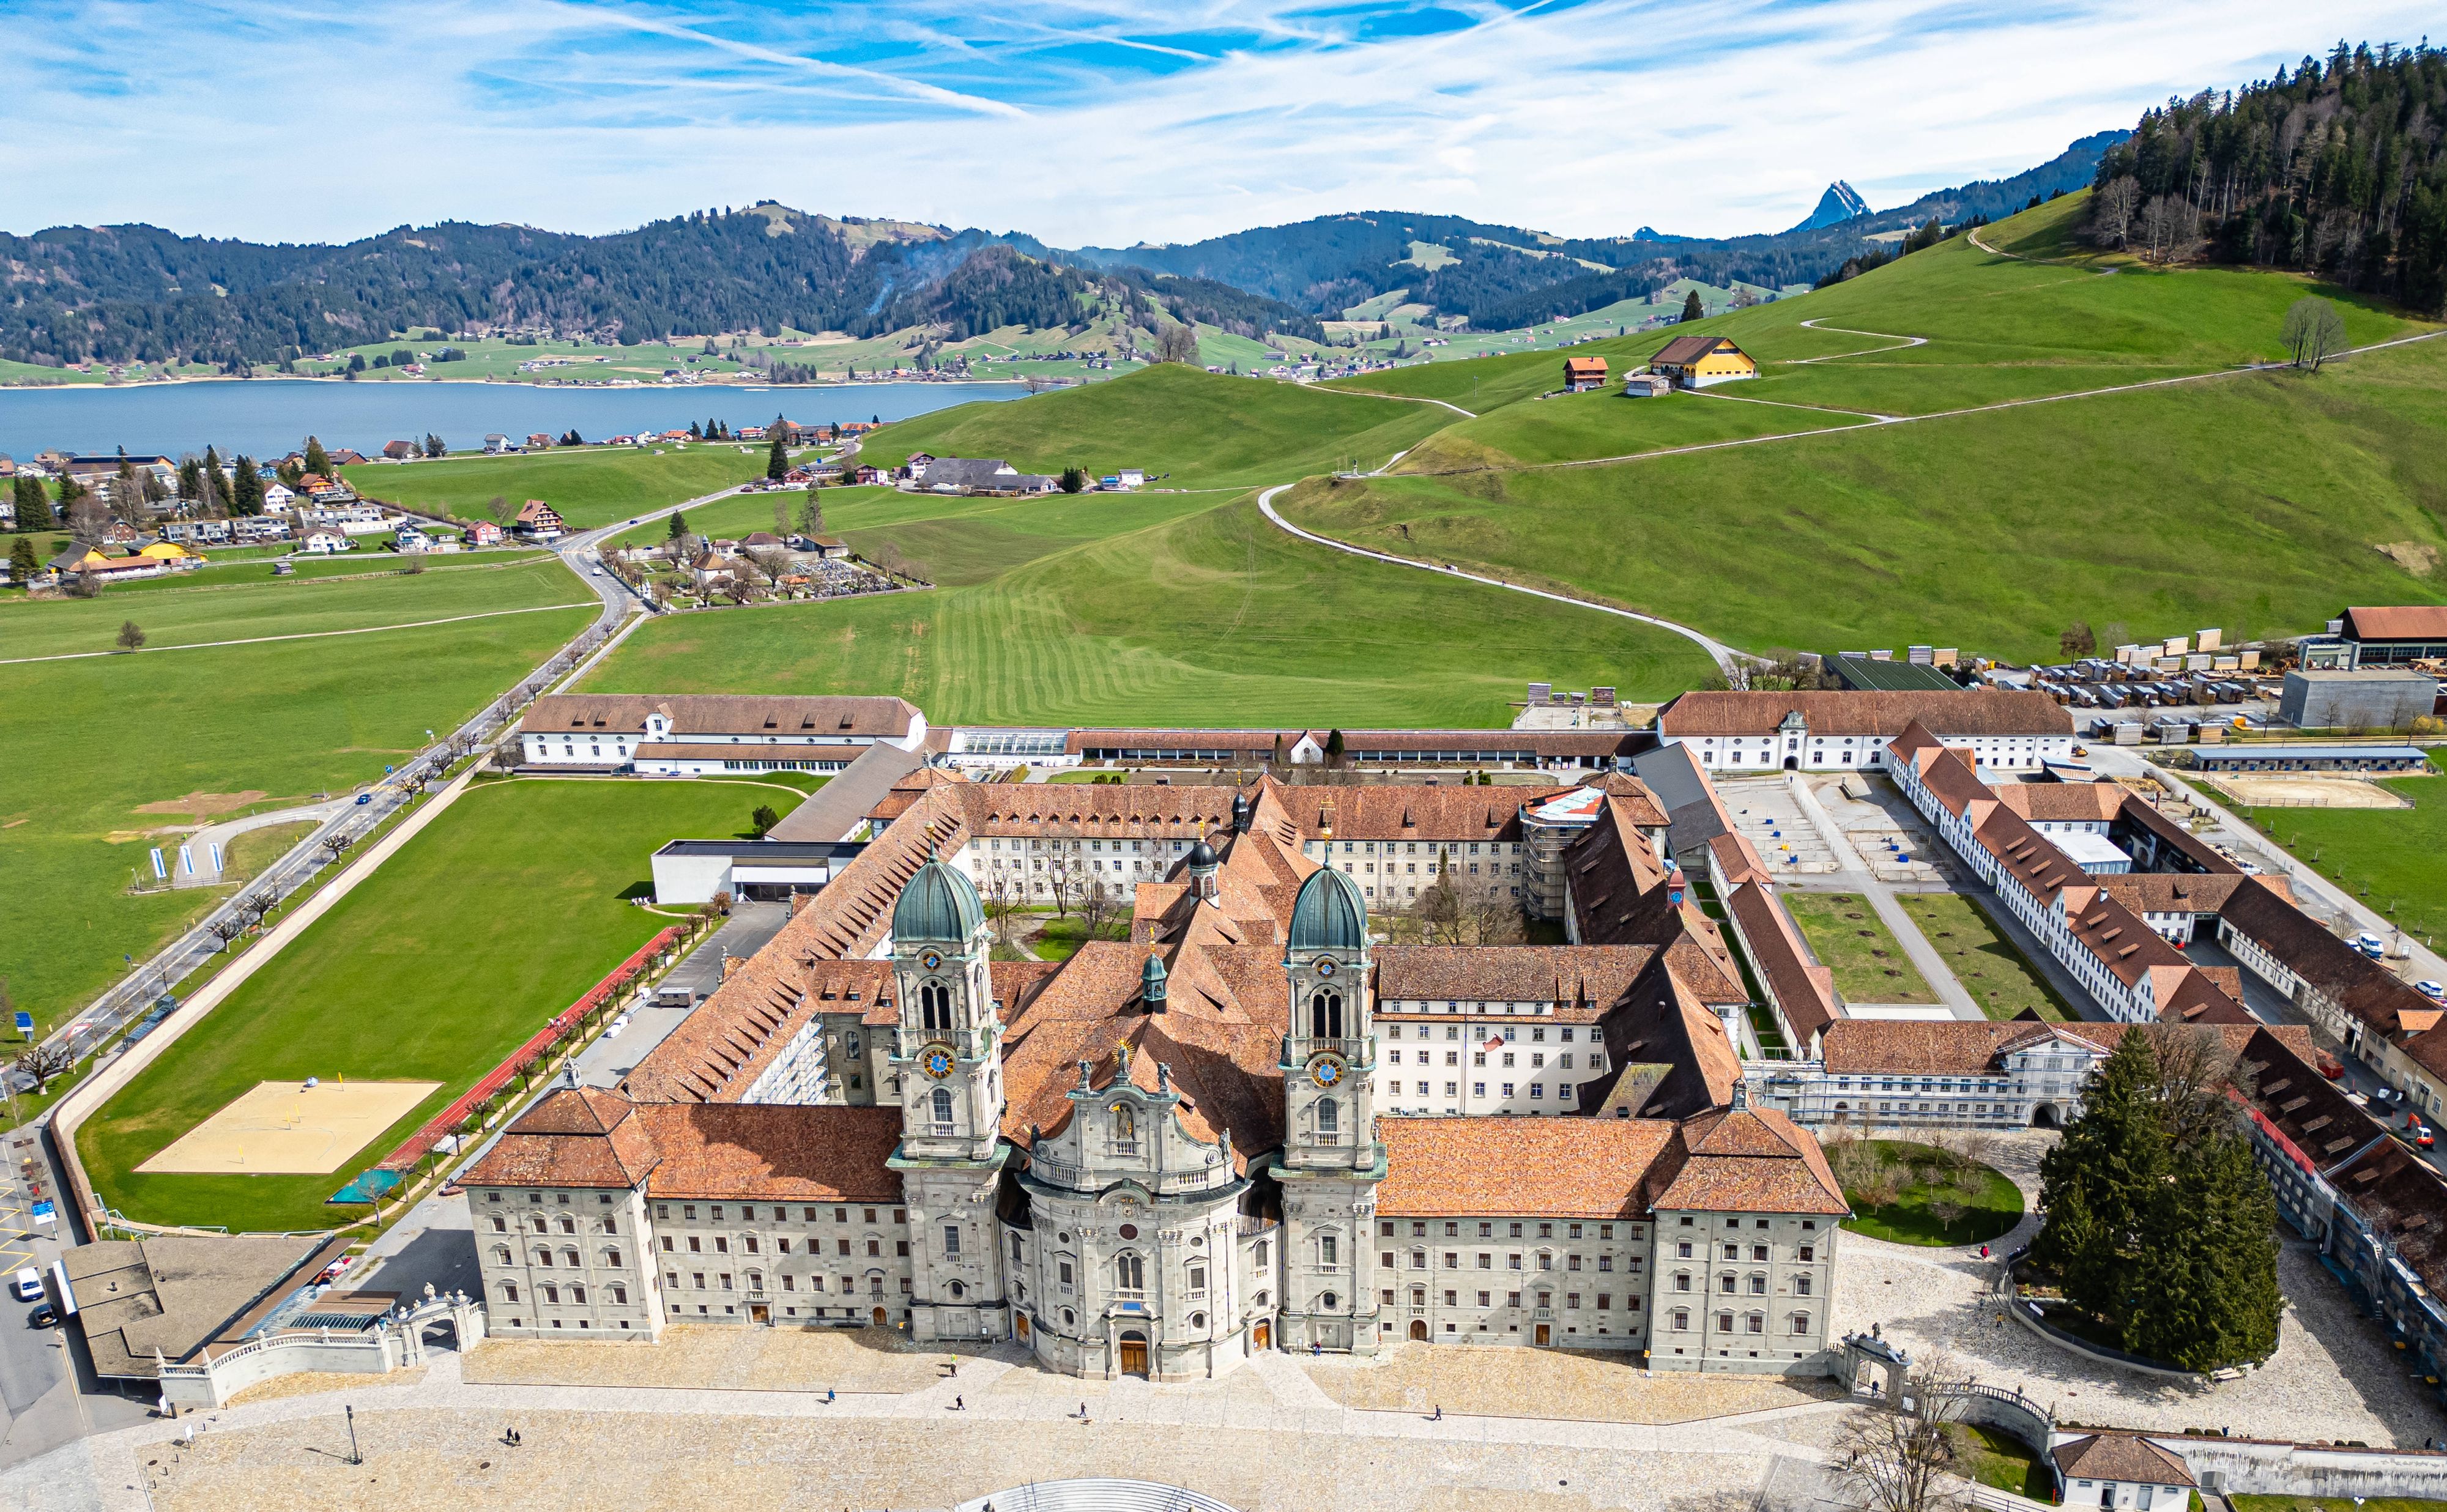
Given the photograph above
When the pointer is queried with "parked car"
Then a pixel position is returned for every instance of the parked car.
(2370, 944)
(2432, 991)
(365, 798)
(43, 1317)
(27, 1284)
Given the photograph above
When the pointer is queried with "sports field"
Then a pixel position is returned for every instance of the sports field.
(589, 485)
(2389, 858)
(292, 1127)
(494, 918)
(1990, 530)
(104, 755)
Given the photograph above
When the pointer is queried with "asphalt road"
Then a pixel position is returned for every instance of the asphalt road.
(48, 1395)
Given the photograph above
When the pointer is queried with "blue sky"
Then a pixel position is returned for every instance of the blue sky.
(1079, 121)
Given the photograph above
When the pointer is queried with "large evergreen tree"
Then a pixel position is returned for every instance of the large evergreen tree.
(246, 487)
(1692, 307)
(317, 459)
(777, 461)
(2160, 1224)
(33, 506)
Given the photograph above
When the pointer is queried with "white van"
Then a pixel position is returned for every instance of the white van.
(29, 1285)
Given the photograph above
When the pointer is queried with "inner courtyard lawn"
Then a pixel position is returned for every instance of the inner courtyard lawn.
(1997, 975)
(439, 964)
(1852, 941)
(191, 736)
(1177, 609)
(1908, 1193)
(2389, 858)
(589, 486)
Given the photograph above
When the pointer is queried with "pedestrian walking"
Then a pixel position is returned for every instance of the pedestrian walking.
(1440, 1414)
(829, 1396)
(959, 1406)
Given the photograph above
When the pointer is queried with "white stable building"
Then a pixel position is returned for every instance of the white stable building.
(699, 734)
(2005, 730)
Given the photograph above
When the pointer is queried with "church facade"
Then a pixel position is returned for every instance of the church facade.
(1166, 1154)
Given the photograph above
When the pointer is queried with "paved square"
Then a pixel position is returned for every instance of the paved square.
(290, 1128)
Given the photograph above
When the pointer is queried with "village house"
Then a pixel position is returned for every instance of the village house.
(278, 498)
(1702, 361)
(322, 540)
(1581, 374)
(496, 444)
(483, 533)
(538, 441)
(973, 475)
(401, 450)
(538, 521)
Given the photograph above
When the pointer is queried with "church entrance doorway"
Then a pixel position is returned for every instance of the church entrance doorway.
(1134, 1355)
(2044, 1116)
(1263, 1336)
(1546, 1334)
(1419, 1329)
(880, 1318)
(1020, 1321)
(1792, 764)
(761, 1314)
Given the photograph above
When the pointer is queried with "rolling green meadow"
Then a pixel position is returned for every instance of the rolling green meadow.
(1204, 430)
(1185, 607)
(589, 485)
(494, 919)
(92, 741)
(1859, 494)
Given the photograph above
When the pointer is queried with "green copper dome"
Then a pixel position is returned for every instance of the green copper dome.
(938, 904)
(1329, 914)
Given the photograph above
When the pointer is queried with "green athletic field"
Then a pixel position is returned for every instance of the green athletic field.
(2387, 858)
(449, 956)
(589, 485)
(87, 741)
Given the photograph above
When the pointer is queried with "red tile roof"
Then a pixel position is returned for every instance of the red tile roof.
(1537, 1167)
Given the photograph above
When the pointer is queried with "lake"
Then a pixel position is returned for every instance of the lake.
(267, 417)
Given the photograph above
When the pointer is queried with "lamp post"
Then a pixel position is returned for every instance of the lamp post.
(355, 1458)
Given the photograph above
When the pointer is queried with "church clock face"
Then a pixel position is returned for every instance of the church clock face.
(937, 1061)
(1326, 967)
(1328, 1070)
(932, 961)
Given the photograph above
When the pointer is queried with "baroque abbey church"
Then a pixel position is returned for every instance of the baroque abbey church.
(1253, 1124)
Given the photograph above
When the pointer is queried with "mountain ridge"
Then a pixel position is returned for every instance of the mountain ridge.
(140, 293)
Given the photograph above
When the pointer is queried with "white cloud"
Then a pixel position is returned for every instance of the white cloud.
(1079, 122)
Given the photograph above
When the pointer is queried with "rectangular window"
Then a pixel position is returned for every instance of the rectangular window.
(951, 1242)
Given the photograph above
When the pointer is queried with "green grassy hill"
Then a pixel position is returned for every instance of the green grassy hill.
(590, 485)
(1183, 608)
(2259, 502)
(1204, 430)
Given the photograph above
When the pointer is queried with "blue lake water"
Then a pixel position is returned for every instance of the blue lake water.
(266, 417)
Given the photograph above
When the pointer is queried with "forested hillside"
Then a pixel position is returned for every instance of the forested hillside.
(2335, 169)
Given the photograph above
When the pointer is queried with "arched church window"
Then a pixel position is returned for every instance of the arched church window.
(935, 1007)
(1325, 1016)
(1329, 1116)
(942, 1105)
(1129, 1273)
